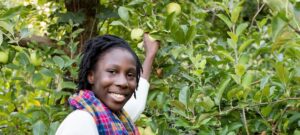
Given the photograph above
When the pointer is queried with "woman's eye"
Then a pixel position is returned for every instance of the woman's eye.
(112, 71)
(130, 75)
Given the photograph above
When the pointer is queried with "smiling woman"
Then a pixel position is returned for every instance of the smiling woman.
(109, 74)
(114, 79)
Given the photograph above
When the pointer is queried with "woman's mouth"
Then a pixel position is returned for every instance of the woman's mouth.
(117, 97)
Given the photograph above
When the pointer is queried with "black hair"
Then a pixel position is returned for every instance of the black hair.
(93, 50)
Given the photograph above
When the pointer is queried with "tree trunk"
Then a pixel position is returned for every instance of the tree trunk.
(89, 8)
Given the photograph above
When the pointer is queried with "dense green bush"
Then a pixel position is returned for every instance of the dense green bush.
(224, 66)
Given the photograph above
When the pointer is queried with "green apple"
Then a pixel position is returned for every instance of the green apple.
(3, 57)
(173, 7)
(137, 34)
(148, 131)
(35, 59)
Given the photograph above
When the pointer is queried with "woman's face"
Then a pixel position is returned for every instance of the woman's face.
(114, 78)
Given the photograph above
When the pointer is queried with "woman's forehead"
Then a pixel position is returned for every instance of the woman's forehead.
(116, 56)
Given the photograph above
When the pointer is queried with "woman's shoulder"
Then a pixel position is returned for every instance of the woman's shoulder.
(77, 123)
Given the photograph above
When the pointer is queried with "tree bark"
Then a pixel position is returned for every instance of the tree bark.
(89, 8)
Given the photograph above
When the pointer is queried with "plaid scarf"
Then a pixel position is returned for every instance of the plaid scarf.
(108, 123)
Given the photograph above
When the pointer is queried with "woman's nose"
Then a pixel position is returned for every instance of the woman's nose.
(121, 81)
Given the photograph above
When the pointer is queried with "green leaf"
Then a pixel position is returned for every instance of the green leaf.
(236, 78)
(266, 92)
(68, 85)
(119, 23)
(245, 45)
(204, 118)
(178, 105)
(231, 133)
(135, 2)
(37, 77)
(202, 64)
(170, 131)
(191, 33)
(188, 77)
(178, 35)
(247, 79)
(226, 55)
(11, 12)
(59, 61)
(47, 72)
(22, 58)
(263, 82)
(53, 128)
(257, 96)
(224, 131)
(61, 42)
(76, 32)
(265, 111)
(221, 88)
(295, 118)
(276, 5)
(296, 132)
(1, 37)
(277, 26)
(123, 13)
(234, 126)
(116, 23)
(182, 122)
(24, 33)
(240, 28)
(282, 73)
(170, 21)
(7, 26)
(240, 69)
(183, 95)
(225, 19)
(195, 59)
(42, 2)
(234, 38)
(207, 103)
(244, 59)
(236, 13)
(39, 128)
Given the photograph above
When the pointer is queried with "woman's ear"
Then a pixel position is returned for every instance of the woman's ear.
(90, 77)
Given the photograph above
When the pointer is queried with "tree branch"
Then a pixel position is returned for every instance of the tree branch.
(297, 31)
(245, 121)
(253, 105)
(262, 6)
(34, 38)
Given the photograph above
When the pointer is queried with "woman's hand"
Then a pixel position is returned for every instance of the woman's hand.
(151, 47)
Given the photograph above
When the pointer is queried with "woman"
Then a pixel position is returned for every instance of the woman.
(109, 74)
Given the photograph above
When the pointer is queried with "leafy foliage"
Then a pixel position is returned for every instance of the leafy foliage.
(224, 67)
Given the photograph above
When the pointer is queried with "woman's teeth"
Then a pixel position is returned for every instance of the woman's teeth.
(117, 97)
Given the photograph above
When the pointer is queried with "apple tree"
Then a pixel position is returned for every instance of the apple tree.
(224, 66)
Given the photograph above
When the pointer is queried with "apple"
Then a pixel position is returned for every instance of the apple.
(3, 57)
(140, 45)
(148, 131)
(137, 34)
(173, 7)
(35, 59)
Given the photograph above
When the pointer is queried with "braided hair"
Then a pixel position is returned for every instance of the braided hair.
(93, 50)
